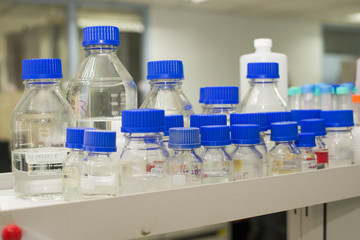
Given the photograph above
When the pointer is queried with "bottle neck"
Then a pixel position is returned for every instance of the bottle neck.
(154, 138)
(94, 154)
(41, 83)
(166, 82)
(100, 49)
(263, 49)
(263, 82)
(338, 129)
(214, 147)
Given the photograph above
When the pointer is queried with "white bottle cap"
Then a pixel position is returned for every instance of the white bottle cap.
(262, 42)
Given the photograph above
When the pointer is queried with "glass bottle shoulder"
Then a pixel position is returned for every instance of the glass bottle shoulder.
(186, 157)
(284, 149)
(215, 155)
(245, 152)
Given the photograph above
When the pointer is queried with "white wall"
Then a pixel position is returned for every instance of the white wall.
(210, 46)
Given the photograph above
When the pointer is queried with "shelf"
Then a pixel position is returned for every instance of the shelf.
(136, 215)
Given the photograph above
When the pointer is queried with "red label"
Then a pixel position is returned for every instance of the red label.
(322, 157)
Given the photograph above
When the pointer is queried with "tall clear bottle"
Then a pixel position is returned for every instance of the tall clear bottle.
(326, 102)
(263, 95)
(101, 87)
(166, 93)
(216, 160)
(305, 143)
(343, 99)
(38, 131)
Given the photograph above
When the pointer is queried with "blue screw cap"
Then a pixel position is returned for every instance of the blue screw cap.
(298, 115)
(101, 35)
(245, 134)
(99, 141)
(316, 126)
(75, 137)
(348, 85)
(166, 69)
(184, 138)
(326, 88)
(215, 135)
(249, 118)
(308, 88)
(143, 121)
(338, 118)
(219, 95)
(263, 70)
(305, 140)
(272, 117)
(173, 121)
(199, 120)
(284, 131)
(42, 68)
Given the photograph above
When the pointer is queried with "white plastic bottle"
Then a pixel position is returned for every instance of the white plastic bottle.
(263, 53)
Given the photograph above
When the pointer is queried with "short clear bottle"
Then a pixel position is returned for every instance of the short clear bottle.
(305, 143)
(171, 121)
(99, 172)
(144, 159)
(284, 157)
(185, 167)
(216, 160)
(317, 127)
(273, 117)
(247, 160)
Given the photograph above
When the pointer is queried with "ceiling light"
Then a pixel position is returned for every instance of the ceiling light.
(355, 18)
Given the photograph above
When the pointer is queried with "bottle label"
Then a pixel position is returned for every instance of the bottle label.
(39, 162)
(322, 156)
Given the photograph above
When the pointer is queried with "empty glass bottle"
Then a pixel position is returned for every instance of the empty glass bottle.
(263, 95)
(305, 143)
(284, 157)
(99, 172)
(339, 139)
(216, 160)
(165, 92)
(272, 117)
(343, 99)
(144, 158)
(317, 127)
(38, 131)
(101, 87)
(185, 167)
(247, 160)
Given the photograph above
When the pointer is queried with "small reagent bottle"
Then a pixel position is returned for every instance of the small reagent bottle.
(305, 143)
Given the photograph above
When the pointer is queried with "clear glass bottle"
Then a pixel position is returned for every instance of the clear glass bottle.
(356, 129)
(216, 160)
(273, 117)
(308, 99)
(263, 95)
(343, 99)
(219, 100)
(254, 118)
(38, 131)
(317, 127)
(166, 92)
(305, 143)
(185, 167)
(339, 139)
(101, 87)
(294, 98)
(247, 160)
(325, 97)
(144, 158)
(284, 157)
(99, 172)
(171, 121)
(71, 165)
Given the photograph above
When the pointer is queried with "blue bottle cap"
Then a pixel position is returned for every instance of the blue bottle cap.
(316, 126)
(284, 131)
(272, 117)
(215, 135)
(220, 95)
(184, 138)
(199, 120)
(325, 89)
(245, 134)
(298, 115)
(249, 118)
(308, 88)
(101, 35)
(349, 85)
(166, 69)
(75, 137)
(41, 68)
(173, 121)
(305, 140)
(202, 95)
(143, 121)
(99, 141)
(263, 70)
(338, 118)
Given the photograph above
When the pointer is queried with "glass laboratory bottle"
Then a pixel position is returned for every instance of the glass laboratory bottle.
(185, 167)
(101, 87)
(99, 172)
(165, 93)
(294, 98)
(273, 117)
(343, 99)
(263, 95)
(308, 98)
(305, 143)
(247, 160)
(317, 127)
(144, 158)
(171, 121)
(326, 97)
(216, 160)
(38, 131)
(284, 157)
